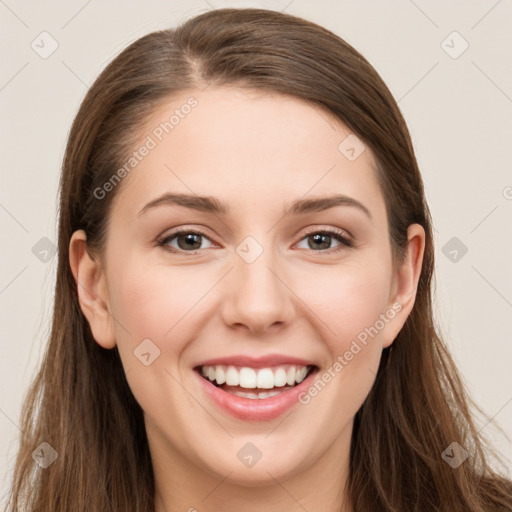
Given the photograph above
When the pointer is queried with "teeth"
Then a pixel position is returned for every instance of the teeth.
(220, 375)
(255, 378)
(260, 395)
(232, 376)
(290, 376)
(265, 378)
(248, 378)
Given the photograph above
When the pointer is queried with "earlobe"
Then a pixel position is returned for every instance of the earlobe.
(406, 281)
(92, 291)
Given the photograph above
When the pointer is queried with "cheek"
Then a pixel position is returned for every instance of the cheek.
(350, 303)
(155, 303)
(153, 307)
(352, 330)
(158, 302)
(153, 295)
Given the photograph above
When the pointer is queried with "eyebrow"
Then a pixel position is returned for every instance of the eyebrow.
(210, 204)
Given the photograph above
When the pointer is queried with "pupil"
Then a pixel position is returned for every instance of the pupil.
(190, 238)
(318, 239)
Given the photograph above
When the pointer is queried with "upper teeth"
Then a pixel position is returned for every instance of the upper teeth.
(264, 378)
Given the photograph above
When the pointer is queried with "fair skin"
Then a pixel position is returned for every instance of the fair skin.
(257, 153)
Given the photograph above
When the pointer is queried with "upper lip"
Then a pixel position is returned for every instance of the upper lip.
(256, 362)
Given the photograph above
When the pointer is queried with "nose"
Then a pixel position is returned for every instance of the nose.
(258, 296)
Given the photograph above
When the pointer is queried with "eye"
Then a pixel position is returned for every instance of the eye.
(186, 239)
(190, 241)
(322, 240)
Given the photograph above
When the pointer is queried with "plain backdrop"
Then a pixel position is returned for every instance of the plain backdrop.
(446, 62)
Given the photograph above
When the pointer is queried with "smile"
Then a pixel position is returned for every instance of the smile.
(255, 392)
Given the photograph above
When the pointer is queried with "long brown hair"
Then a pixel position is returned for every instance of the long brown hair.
(80, 402)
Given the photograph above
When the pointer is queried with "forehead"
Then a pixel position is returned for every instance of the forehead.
(248, 147)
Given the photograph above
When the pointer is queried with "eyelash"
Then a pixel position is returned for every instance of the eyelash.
(337, 234)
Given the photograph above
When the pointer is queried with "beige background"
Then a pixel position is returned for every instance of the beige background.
(459, 111)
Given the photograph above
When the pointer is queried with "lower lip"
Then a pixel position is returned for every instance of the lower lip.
(257, 409)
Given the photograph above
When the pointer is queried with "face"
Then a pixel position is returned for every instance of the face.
(286, 303)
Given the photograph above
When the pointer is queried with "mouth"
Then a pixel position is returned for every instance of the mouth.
(255, 393)
(255, 383)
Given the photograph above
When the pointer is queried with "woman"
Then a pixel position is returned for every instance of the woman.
(261, 369)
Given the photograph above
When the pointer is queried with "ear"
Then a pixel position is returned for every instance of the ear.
(405, 282)
(92, 290)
